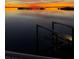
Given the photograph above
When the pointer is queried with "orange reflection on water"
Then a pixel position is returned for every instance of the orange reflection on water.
(47, 11)
(10, 8)
(16, 9)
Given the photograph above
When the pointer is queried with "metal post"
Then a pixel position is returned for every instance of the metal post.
(52, 32)
(53, 26)
(53, 37)
(37, 40)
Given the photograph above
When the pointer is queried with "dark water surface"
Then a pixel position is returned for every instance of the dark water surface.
(20, 30)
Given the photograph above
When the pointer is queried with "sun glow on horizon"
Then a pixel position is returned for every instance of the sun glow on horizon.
(14, 4)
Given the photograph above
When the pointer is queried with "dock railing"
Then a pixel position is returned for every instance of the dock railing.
(55, 35)
(15, 55)
(68, 26)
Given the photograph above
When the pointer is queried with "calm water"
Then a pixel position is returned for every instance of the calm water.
(21, 28)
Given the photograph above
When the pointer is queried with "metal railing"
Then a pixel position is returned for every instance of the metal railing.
(68, 26)
(15, 55)
(55, 35)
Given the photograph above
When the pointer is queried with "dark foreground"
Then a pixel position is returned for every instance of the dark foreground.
(21, 35)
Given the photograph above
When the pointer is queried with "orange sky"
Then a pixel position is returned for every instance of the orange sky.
(57, 4)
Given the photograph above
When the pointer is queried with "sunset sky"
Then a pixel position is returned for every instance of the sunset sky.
(26, 1)
(32, 3)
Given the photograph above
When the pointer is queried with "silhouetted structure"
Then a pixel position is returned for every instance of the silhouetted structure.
(66, 8)
(20, 8)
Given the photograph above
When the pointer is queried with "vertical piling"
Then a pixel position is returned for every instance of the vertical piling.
(37, 40)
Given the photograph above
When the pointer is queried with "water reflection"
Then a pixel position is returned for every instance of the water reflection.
(48, 11)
